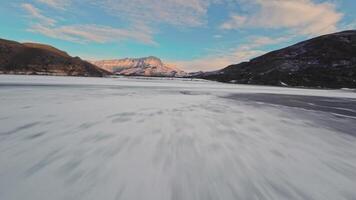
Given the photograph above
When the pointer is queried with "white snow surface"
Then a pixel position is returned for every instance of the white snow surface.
(159, 139)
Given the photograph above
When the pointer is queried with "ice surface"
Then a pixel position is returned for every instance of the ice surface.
(160, 139)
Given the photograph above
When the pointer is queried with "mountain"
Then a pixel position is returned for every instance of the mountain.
(327, 61)
(148, 66)
(41, 59)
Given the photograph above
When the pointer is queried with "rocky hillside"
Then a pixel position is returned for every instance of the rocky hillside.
(148, 66)
(40, 59)
(327, 61)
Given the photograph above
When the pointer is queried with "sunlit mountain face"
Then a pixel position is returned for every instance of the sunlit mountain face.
(148, 66)
(196, 35)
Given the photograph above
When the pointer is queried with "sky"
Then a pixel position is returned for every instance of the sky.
(195, 35)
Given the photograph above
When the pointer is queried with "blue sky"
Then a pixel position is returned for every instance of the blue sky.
(193, 34)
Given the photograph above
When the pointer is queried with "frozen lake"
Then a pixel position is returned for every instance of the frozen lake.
(157, 139)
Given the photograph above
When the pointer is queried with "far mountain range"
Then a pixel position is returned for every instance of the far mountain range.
(327, 61)
(148, 66)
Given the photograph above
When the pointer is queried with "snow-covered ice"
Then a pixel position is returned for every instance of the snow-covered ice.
(160, 139)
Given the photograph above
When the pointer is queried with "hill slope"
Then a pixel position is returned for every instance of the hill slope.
(327, 61)
(31, 58)
(148, 66)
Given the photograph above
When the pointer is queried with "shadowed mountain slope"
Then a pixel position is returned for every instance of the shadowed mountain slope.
(40, 59)
(327, 61)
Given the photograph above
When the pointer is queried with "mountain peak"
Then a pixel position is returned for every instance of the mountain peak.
(151, 57)
(146, 66)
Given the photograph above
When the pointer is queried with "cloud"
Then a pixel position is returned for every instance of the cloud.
(57, 4)
(188, 13)
(215, 62)
(235, 22)
(36, 14)
(302, 16)
(92, 33)
(142, 16)
(223, 58)
(84, 33)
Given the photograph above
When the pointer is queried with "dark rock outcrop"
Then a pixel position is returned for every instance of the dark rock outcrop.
(40, 59)
(327, 61)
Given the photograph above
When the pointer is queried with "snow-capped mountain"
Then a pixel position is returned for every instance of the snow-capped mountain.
(148, 66)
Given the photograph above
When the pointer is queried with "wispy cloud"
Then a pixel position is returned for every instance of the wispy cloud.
(187, 13)
(37, 15)
(142, 16)
(174, 12)
(84, 33)
(57, 4)
(92, 33)
(301, 16)
(223, 58)
(215, 62)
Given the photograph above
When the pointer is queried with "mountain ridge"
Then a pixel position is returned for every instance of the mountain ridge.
(145, 66)
(42, 59)
(327, 61)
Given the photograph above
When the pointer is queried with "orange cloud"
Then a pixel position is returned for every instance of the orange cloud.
(302, 16)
